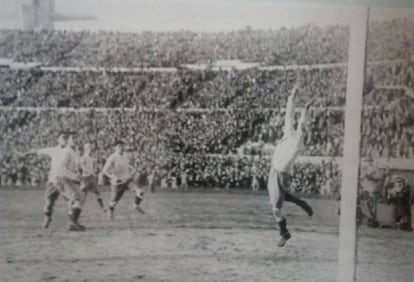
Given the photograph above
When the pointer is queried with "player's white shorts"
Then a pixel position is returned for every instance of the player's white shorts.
(277, 184)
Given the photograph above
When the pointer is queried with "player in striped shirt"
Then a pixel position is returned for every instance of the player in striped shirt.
(284, 154)
(117, 168)
(89, 177)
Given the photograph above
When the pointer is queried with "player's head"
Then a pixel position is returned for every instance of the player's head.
(120, 146)
(87, 148)
(62, 139)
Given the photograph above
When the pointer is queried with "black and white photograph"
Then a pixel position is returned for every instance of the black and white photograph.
(189, 140)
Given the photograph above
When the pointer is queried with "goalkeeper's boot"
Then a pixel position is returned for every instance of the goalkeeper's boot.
(284, 233)
(284, 239)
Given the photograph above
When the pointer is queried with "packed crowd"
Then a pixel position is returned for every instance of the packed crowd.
(398, 73)
(182, 89)
(267, 89)
(13, 83)
(390, 40)
(46, 47)
(388, 131)
(303, 45)
(250, 172)
(309, 44)
(36, 88)
(223, 132)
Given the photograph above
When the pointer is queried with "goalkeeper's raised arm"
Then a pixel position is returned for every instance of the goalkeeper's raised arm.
(290, 111)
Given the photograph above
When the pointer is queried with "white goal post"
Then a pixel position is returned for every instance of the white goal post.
(351, 155)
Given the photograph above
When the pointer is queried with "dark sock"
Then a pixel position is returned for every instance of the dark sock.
(100, 202)
(282, 227)
(75, 214)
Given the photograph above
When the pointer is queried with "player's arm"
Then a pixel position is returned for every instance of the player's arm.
(106, 170)
(290, 111)
(43, 151)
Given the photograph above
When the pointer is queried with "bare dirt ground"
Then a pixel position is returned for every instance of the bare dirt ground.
(183, 237)
(385, 255)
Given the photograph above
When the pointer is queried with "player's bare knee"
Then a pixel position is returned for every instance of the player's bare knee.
(112, 204)
(139, 193)
(77, 204)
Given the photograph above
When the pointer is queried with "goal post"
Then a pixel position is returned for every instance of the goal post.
(351, 153)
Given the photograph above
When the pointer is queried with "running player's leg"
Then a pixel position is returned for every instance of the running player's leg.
(139, 195)
(89, 184)
(99, 198)
(84, 191)
(301, 203)
(71, 192)
(276, 195)
(51, 195)
(116, 194)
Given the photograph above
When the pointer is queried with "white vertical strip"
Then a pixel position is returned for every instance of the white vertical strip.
(349, 187)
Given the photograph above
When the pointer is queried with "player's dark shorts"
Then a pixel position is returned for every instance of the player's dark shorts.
(118, 190)
(89, 184)
(51, 190)
(277, 186)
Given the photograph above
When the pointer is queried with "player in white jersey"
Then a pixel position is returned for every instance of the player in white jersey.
(118, 170)
(51, 192)
(284, 154)
(68, 182)
(89, 177)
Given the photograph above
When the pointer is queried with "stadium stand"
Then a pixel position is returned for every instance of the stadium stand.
(189, 124)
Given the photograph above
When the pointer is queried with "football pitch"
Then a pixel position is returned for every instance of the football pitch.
(183, 237)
